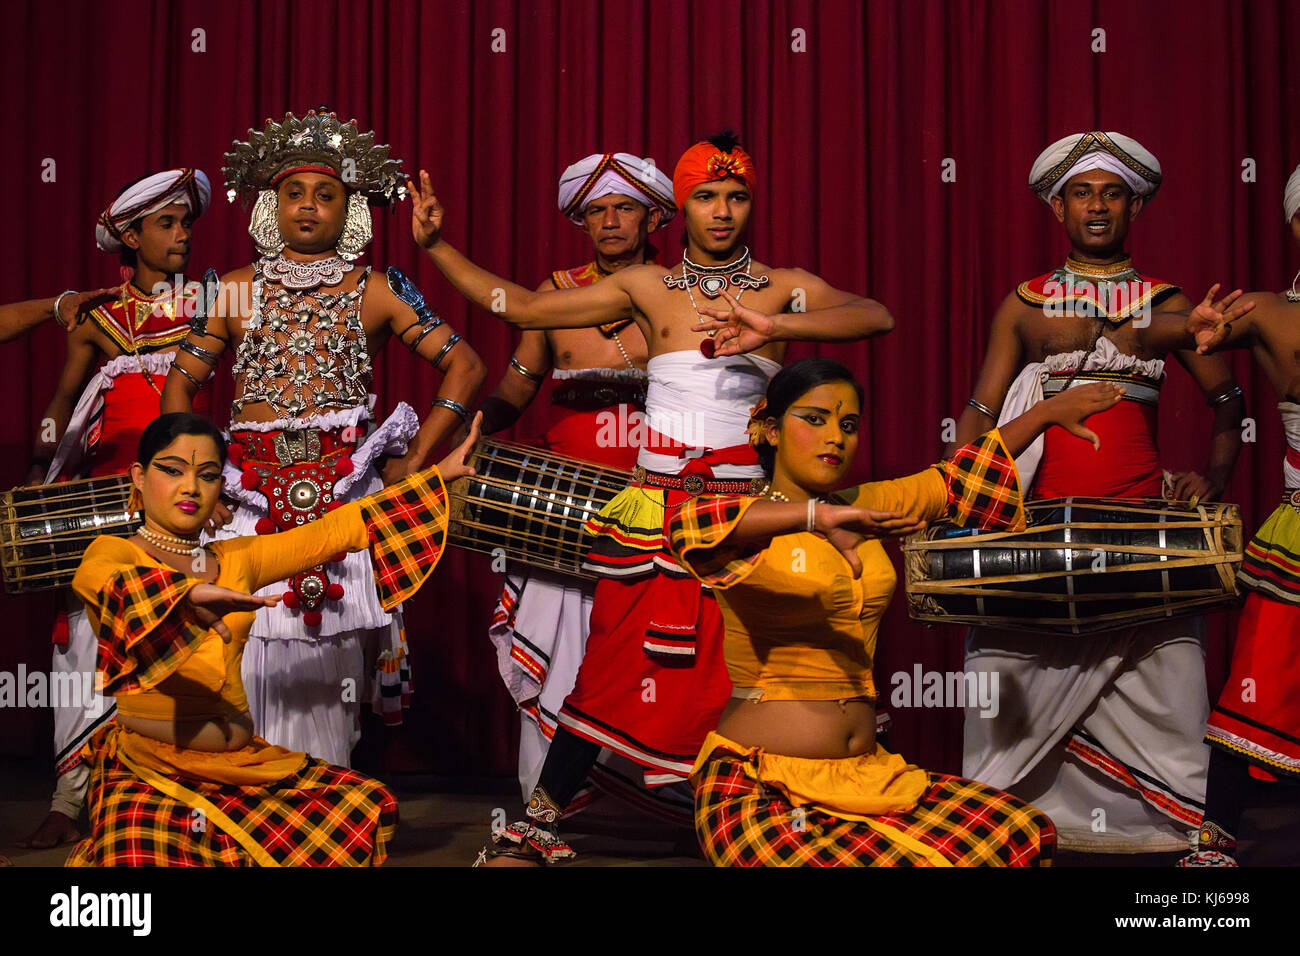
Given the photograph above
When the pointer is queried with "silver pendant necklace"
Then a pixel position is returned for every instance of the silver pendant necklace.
(713, 280)
(300, 276)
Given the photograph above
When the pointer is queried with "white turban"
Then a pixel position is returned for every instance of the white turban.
(189, 187)
(604, 174)
(1081, 152)
(1291, 197)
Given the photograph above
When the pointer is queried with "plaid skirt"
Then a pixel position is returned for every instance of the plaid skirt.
(320, 816)
(956, 822)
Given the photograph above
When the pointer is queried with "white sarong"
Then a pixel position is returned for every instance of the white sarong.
(305, 686)
(1103, 732)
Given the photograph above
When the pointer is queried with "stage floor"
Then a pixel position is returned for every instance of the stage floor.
(444, 823)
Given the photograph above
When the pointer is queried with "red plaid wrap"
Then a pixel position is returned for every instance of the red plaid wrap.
(741, 822)
(407, 522)
(137, 649)
(983, 485)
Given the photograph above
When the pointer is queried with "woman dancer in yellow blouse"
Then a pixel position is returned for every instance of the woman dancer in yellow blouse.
(793, 775)
(180, 778)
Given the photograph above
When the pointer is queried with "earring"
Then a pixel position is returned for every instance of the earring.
(264, 226)
(134, 501)
(357, 228)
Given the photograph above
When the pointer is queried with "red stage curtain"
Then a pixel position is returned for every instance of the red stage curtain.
(850, 111)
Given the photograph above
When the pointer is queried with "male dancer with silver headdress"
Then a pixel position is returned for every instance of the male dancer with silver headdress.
(304, 323)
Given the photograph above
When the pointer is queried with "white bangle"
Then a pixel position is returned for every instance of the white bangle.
(58, 302)
(812, 514)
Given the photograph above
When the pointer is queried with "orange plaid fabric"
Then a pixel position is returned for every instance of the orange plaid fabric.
(407, 523)
(983, 485)
(957, 822)
(704, 522)
(139, 643)
(320, 816)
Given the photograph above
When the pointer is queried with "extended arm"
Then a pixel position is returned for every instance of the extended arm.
(415, 325)
(519, 384)
(592, 305)
(815, 313)
(1225, 397)
(19, 318)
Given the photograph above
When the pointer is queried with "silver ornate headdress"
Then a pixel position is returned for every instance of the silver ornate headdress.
(317, 141)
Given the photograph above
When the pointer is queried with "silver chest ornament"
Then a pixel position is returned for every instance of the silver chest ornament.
(298, 481)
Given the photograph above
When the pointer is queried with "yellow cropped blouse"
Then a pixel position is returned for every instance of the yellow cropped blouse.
(161, 664)
(798, 625)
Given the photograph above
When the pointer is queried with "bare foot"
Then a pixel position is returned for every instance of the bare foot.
(5, 861)
(55, 830)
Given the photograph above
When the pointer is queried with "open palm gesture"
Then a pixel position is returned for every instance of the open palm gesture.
(1211, 321)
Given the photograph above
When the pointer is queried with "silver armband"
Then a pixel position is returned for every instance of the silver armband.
(203, 355)
(1229, 395)
(455, 406)
(197, 383)
(526, 372)
(452, 340)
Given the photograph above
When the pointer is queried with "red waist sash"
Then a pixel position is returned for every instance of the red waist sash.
(1126, 466)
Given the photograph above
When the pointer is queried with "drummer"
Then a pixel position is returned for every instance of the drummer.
(653, 682)
(540, 624)
(96, 420)
(1113, 723)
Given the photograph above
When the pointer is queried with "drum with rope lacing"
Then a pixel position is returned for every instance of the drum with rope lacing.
(1084, 565)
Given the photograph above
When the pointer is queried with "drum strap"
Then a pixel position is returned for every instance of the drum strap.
(1136, 389)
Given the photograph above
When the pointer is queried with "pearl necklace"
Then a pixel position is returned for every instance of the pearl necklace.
(166, 542)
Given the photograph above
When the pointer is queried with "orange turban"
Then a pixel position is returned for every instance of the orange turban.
(705, 163)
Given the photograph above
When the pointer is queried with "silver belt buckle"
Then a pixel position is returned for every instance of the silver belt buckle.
(297, 444)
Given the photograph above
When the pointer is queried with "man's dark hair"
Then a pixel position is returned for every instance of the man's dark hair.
(726, 140)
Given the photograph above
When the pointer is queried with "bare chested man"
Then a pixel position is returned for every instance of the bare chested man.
(653, 682)
(540, 623)
(304, 323)
(1113, 721)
